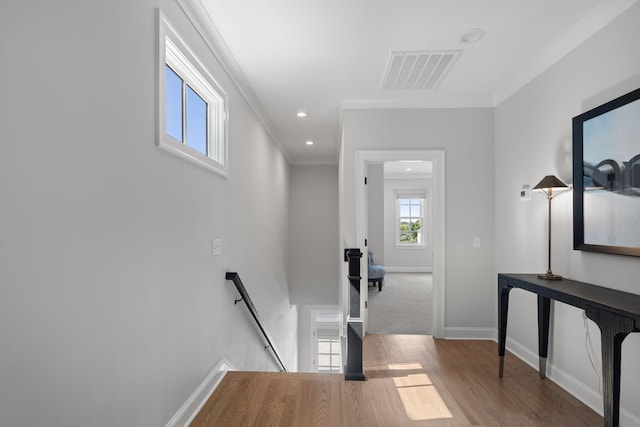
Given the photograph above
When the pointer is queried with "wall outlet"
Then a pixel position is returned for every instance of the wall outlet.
(525, 192)
(476, 242)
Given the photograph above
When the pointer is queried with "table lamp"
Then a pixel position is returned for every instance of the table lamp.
(547, 185)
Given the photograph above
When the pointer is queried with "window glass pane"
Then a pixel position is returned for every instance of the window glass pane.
(415, 210)
(324, 360)
(196, 121)
(405, 210)
(324, 347)
(173, 110)
(335, 360)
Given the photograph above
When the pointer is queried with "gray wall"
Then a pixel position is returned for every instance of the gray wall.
(375, 211)
(314, 234)
(112, 309)
(467, 137)
(533, 139)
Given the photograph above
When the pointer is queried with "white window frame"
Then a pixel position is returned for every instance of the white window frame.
(411, 194)
(175, 53)
(325, 330)
(334, 344)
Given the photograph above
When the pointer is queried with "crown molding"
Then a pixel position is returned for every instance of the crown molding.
(426, 102)
(599, 17)
(199, 16)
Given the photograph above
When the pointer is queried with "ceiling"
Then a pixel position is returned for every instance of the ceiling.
(326, 56)
(408, 169)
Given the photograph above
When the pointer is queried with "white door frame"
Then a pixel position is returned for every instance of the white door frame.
(437, 157)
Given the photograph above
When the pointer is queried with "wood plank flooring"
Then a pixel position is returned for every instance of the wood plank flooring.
(412, 380)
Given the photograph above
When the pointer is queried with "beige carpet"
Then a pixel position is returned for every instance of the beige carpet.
(404, 306)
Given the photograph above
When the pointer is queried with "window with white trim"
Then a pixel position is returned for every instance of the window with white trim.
(192, 110)
(410, 215)
(326, 345)
(329, 355)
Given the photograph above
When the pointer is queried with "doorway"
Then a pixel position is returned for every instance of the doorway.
(412, 292)
(437, 240)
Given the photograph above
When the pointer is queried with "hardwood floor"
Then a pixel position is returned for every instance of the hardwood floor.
(412, 380)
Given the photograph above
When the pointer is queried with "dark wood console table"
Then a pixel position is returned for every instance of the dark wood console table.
(616, 313)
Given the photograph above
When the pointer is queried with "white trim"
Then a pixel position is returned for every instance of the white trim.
(199, 397)
(200, 18)
(173, 50)
(481, 101)
(569, 383)
(628, 419)
(458, 333)
(363, 157)
(313, 351)
(600, 16)
(409, 269)
(410, 194)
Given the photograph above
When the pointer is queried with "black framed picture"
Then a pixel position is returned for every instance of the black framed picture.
(606, 177)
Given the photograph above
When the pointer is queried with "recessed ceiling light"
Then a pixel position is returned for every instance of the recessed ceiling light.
(408, 169)
(301, 114)
(471, 36)
(309, 142)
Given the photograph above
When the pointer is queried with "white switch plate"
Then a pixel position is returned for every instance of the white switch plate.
(216, 247)
(476, 242)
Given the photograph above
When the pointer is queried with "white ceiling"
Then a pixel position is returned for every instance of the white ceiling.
(408, 169)
(327, 55)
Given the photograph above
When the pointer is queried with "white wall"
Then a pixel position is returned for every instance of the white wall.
(376, 212)
(314, 234)
(417, 259)
(467, 137)
(112, 309)
(533, 139)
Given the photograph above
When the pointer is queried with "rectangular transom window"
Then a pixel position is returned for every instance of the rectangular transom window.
(410, 219)
(192, 111)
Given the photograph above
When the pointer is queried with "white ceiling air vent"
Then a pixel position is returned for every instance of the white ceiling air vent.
(420, 70)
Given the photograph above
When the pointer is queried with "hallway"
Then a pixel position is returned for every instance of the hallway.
(404, 306)
(411, 381)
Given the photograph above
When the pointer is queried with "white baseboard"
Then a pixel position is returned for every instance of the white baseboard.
(569, 383)
(409, 269)
(199, 397)
(453, 333)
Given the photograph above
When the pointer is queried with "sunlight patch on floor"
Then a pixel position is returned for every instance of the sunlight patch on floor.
(404, 366)
(419, 396)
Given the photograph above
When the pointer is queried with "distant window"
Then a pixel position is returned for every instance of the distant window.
(326, 352)
(328, 355)
(410, 220)
(193, 108)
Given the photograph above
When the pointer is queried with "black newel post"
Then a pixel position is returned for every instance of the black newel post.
(355, 327)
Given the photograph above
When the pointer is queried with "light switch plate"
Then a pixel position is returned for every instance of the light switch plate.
(216, 247)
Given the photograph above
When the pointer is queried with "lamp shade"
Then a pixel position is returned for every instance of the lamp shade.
(550, 181)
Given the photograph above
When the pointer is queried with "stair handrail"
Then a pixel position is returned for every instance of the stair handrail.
(244, 296)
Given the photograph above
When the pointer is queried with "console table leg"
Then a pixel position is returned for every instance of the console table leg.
(544, 310)
(503, 308)
(614, 329)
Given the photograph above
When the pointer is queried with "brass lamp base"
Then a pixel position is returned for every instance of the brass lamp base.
(549, 276)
